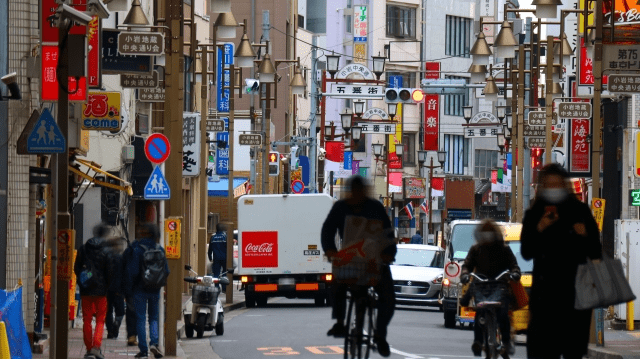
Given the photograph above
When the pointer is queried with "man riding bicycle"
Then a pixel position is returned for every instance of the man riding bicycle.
(489, 257)
(358, 204)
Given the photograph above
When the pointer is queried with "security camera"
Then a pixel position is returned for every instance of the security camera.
(96, 7)
(68, 12)
(322, 154)
(11, 81)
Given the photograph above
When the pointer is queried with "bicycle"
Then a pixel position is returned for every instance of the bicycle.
(360, 334)
(490, 295)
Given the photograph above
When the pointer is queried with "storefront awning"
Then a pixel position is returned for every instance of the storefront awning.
(125, 187)
(220, 188)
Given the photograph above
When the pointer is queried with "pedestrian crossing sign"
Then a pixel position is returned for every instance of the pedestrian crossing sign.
(46, 136)
(157, 187)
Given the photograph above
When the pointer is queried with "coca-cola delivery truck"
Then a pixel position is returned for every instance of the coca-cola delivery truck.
(280, 254)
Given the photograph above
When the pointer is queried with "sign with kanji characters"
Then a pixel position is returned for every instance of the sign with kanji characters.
(101, 112)
(585, 67)
(49, 83)
(622, 57)
(222, 153)
(190, 144)
(49, 30)
(225, 58)
(624, 83)
(535, 131)
(637, 157)
(432, 70)
(579, 153)
(360, 23)
(250, 139)
(568, 110)
(415, 187)
(395, 161)
(359, 69)
(533, 142)
(215, 125)
(539, 118)
(375, 112)
(116, 63)
(597, 207)
(431, 122)
(172, 237)
(369, 92)
(141, 43)
(66, 244)
(94, 78)
(482, 131)
(139, 81)
(152, 94)
(634, 197)
(386, 128)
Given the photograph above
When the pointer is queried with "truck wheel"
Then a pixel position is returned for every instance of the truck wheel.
(319, 301)
(249, 301)
(220, 324)
(261, 301)
(202, 318)
(449, 319)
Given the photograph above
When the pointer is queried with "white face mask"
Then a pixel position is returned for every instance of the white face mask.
(485, 236)
(554, 195)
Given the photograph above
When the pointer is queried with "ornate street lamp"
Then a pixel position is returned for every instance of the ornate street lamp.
(399, 149)
(333, 61)
(478, 73)
(328, 131)
(422, 156)
(467, 112)
(546, 9)
(356, 133)
(505, 42)
(501, 112)
(442, 157)
(345, 118)
(266, 71)
(500, 139)
(226, 26)
(298, 84)
(378, 65)
(358, 108)
(491, 90)
(480, 50)
(377, 149)
(391, 110)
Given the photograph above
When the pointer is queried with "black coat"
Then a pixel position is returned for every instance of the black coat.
(555, 327)
(93, 251)
(490, 259)
(115, 264)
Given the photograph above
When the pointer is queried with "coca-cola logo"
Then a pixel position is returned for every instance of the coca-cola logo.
(262, 248)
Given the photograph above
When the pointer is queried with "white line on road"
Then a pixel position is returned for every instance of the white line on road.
(406, 355)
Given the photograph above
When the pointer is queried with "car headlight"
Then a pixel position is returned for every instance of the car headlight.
(438, 279)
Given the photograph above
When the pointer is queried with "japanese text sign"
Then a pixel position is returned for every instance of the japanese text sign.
(539, 118)
(362, 70)
(356, 91)
(50, 31)
(172, 237)
(66, 245)
(49, 83)
(579, 159)
(624, 83)
(535, 131)
(222, 153)
(622, 57)
(431, 122)
(141, 43)
(93, 53)
(139, 81)
(386, 128)
(215, 125)
(432, 70)
(360, 53)
(586, 67)
(113, 62)
(481, 132)
(225, 57)
(533, 142)
(597, 207)
(395, 162)
(574, 110)
(252, 139)
(360, 23)
(191, 144)
(152, 94)
(102, 112)
(415, 187)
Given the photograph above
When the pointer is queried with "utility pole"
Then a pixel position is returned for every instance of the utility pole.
(313, 151)
(204, 157)
(173, 107)
(266, 114)
(597, 103)
(232, 88)
(520, 143)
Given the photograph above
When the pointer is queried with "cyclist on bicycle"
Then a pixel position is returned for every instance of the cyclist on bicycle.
(359, 204)
(489, 257)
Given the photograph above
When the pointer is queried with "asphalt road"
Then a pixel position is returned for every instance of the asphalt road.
(296, 328)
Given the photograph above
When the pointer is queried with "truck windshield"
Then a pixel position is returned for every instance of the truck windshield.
(461, 240)
(525, 265)
(419, 258)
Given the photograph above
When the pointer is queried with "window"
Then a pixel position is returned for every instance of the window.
(485, 162)
(187, 83)
(317, 16)
(301, 21)
(409, 144)
(458, 36)
(401, 22)
(454, 146)
(348, 19)
(453, 103)
(408, 78)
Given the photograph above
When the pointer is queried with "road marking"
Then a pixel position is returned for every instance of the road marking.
(319, 350)
(278, 351)
(406, 355)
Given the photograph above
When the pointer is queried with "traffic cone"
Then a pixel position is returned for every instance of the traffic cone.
(4, 342)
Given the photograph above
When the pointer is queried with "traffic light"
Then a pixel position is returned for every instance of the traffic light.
(403, 95)
(294, 156)
(536, 157)
(274, 163)
(253, 86)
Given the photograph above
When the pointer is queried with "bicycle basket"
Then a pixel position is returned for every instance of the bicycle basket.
(358, 271)
(489, 294)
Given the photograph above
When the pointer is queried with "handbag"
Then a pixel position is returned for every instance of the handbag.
(520, 294)
(600, 284)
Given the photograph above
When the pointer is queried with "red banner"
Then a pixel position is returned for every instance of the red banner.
(586, 67)
(259, 249)
(93, 53)
(335, 151)
(49, 31)
(580, 160)
(432, 70)
(431, 122)
(78, 92)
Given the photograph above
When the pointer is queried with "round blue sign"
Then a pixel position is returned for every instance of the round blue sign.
(297, 186)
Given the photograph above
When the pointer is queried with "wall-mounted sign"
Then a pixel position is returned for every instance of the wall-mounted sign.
(102, 112)
(386, 128)
(580, 151)
(370, 92)
(116, 63)
(49, 83)
(574, 110)
(360, 22)
(431, 122)
(94, 61)
(225, 57)
(191, 144)
(634, 197)
(432, 70)
(539, 118)
(139, 80)
(415, 187)
(141, 43)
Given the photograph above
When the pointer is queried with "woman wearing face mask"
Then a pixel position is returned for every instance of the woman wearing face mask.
(489, 257)
(558, 233)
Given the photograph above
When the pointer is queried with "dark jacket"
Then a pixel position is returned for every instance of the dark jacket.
(93, 251)
(416, 239)
(115, 264)
(218, 247)
(490, 259)
(556, 254)
(134, 264)
(370, 209)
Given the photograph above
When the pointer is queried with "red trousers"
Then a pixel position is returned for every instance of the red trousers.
(93, 306)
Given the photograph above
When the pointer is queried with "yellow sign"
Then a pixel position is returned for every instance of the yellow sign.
(360, 53)
(296, 175)
(66, 243)
(597, 207)
(396, 137)
(84, 140)
(101, 112)
(636, 171)
(172, 237)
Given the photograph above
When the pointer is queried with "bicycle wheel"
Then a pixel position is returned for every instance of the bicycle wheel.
(371, 314)
(491, 346)
(361, 310)
(348, 338)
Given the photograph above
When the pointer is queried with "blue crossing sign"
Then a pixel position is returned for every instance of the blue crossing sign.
(157, 186)
(46, 136)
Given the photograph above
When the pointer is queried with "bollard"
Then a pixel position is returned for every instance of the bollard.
(630, 314)
(4, 342)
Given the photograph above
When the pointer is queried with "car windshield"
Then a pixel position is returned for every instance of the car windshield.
(419, 258)
(461, 240)
(525, 265)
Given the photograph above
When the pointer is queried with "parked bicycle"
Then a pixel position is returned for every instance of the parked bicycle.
(489, 296)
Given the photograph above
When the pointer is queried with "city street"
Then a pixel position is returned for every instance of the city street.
(298, 328)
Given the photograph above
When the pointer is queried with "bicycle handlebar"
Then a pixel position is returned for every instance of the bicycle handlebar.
(496, 278)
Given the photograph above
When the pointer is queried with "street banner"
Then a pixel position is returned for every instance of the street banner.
(415, 187)
(225, 58)
(437, 187)
(49, 84)
(360, 30)
(395, 162)
(395, 182)
(94, 61)
(597, 207)
(348, 160)
(432, 70)
(334, 156)
(580, 151)
(191, 144)
(356, 167)
(222, 153)
(431, 122)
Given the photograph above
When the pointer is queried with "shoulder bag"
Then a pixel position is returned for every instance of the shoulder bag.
(601, 283)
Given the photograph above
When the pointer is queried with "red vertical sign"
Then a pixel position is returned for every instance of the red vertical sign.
(580, 159)
(586, 68)
(77, 91)
(49, 31)
(432, 70)
(431, 122)
(93, 53)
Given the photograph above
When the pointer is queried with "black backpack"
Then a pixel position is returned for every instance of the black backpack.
(90, 276)
(154, 261)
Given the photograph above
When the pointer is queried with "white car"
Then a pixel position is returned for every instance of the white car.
(417, 274)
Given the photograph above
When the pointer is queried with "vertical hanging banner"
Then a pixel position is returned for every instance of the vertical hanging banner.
(348, 160)
(395, 182)
(580, 151)
(432, 70)
(586, 76)
(225, 58)
(94, 60)
(360, 23)
(49, 83)
(395, 162)
(355, 169)
(191, 144)
(431, 122)
(222, 153)
(334, 158)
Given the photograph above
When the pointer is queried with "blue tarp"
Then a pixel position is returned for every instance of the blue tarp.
(11, 315)
(220, 188)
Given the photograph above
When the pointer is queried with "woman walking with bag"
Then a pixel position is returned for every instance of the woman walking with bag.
(558, 233)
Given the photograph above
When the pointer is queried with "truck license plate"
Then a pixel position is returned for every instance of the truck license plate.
(312, 252)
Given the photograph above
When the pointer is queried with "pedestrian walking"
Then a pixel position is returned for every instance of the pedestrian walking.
(91, 270)
(130, 309)
(218, 252)
(147, 270)
(115, 247)
(558, 233)
(416, 238)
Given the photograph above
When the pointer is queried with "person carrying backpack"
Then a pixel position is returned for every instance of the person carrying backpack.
(218, 252)
(91, 273)
(115, 295)
(147, 271)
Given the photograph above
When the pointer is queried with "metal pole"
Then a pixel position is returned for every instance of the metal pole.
(514, 141)
(313, 151)
(519, 199)
(230, 196)
(549, 100)
(266, 127)
(597, 102)
(204, 156)
(161, 306)
(430, 200)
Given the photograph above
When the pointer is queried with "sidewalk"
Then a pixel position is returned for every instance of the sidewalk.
(117, 348)
(618, 344)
